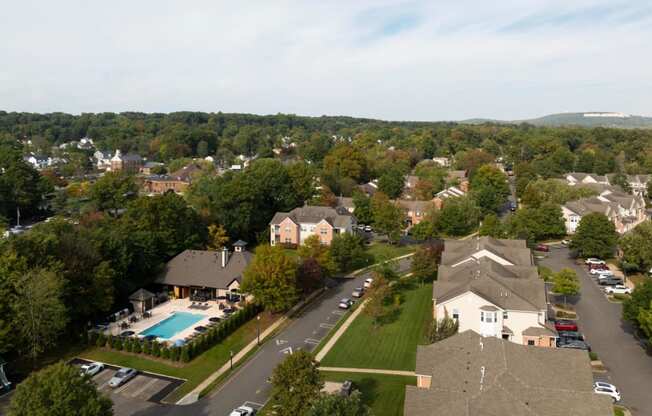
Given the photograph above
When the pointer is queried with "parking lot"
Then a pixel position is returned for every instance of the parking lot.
(627, 364)
(141, 392)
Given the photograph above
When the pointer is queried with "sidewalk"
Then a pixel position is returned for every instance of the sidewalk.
(369, 371)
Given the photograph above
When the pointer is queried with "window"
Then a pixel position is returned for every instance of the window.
(490, 317)
(287, 229)
(506, 336)
(312, 229)
(504, 314)
(303, 228)
(481, 316)
(323, 231)
(277, 228)
(530, 342)
(456, 314)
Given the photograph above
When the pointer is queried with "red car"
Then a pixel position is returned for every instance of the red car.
(542, 247)
(565, 325)
(598, 267)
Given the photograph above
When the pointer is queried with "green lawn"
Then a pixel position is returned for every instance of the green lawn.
(385, 394)
(384, 251)
(195, 371)
(392, 345)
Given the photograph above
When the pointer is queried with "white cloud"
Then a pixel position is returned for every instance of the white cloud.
(394, 60)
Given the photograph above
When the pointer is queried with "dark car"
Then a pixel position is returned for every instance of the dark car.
(565, 325)
(576, 345)
(571, 336)
(610, 281)
(542, 247)
(346, 388)
(127, 333)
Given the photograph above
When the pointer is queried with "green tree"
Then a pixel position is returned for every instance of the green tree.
(217, 237)
(471, 160)
(271, 278)
(337, 405)
(595, 236)
(346, 161)
(566, 283)
(377, 296)
(441, 329)
(620, 179)
(39, 310)
(388, 218)
(348, 253)
(640, 299)
(491, 226)
(59, 390)
(425, 261)
(424, 230)
(362, 204)
(645, 320)
(112, 191)
(458, 216)
(302, 176)
(296, 383)
(489, 188)
(314, 249)
(391, 183)
(637, 248)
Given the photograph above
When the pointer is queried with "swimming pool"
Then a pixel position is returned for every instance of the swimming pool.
(176, 323)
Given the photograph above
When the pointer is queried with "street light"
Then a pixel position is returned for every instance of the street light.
(258, 322)
(231, 353)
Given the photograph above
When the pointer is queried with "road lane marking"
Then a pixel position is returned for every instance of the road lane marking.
(287, 350)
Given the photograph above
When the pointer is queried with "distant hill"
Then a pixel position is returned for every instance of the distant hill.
(589, 119)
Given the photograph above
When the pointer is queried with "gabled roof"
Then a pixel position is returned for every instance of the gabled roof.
(411, 205)
(204, 269)
(507, 287)
(141, 295)
(450, 192)
(337, 217)
(587, 177)
(477, 376)
(513, 251)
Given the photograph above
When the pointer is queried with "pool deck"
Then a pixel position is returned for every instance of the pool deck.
(164, 310)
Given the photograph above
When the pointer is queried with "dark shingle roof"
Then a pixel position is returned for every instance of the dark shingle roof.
(514, 251)
(476, 376)
(204, 268)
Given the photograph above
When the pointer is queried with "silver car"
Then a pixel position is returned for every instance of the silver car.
(122, 376)
(92, 368)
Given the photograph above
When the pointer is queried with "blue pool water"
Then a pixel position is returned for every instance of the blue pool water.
(168, 327)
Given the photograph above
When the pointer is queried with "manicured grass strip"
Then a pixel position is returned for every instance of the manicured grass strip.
(382, 251)
(390, 346)
(385, 394)
(195, 371)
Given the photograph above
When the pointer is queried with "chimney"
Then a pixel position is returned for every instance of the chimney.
(225, 257)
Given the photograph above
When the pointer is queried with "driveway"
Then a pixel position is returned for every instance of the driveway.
(249, 384)
(630, 368)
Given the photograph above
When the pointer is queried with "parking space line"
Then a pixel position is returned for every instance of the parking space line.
(254, 405)
(311, 341)
(327, 326)
(339, 313)
(124, 386)
(144, 387)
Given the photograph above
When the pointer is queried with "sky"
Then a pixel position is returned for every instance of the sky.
(394, 60)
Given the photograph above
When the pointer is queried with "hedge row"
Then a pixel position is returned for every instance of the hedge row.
(198, 345)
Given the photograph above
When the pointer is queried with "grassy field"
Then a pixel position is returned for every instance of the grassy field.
(385, 394)
(391, 346)
(195, 371)
(383, 251)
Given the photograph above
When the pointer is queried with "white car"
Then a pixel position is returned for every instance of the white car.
(358, 292)
(618, 290)
(368, 228)
(368, 282)
(615, 395)
(599, 272)
(565, 242)
(593, 260)
(122, 376)
(345, 303)
(92, 368)
(605, 385)
(243, 411)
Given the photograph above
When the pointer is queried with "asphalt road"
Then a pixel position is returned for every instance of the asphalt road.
(630, 368)
(249, 384)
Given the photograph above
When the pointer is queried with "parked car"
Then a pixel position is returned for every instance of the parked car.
(122, 376)
(565, 325)
(345, 303)
(576, 345)
(368, 228)
(618, 290)
(243, 411)
(358, 292)
(92, 368)
(597, 271)
(368, 282)
(361, 227)
(542, 247)
(615, 396)
(565, 242)
(605, 385)
(593, 260)
(609, 281)
(598, 266)
(512, 206)
(571, 335)
(127, 333)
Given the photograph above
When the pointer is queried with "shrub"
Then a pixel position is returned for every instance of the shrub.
(165, 353)
(137, 347)
(174, 353)
(593, 356)
(185, 354)
(117, 344)
(156, 349)
(147, 347)
(91, 337)
(129, 345)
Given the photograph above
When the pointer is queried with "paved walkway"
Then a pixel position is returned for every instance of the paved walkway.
(369, 370)
(340, 331)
